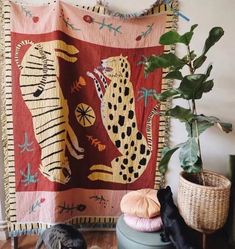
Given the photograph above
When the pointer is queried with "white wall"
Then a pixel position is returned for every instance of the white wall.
(216, 146)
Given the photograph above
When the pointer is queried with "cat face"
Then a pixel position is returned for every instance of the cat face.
(164, 195)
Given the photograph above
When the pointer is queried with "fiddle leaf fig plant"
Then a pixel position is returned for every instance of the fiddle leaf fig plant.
(191, 88)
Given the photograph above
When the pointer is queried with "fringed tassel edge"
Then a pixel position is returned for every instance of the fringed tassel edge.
(167, 104)
(5, 65)
(3, 100)
(110, 12)
(86, 223)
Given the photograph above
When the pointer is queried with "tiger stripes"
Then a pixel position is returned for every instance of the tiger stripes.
(41, 91)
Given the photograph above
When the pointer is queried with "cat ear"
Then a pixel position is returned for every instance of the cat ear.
(168, 188)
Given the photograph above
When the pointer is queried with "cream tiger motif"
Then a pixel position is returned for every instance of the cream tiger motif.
(41, 91)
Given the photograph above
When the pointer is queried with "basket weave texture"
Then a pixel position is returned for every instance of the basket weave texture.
(204, 208)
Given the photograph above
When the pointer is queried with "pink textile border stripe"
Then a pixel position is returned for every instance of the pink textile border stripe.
(76, 23)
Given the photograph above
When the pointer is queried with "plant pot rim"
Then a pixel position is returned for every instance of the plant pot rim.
(226, 180)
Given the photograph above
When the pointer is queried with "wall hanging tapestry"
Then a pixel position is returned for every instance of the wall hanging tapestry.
(80, 125)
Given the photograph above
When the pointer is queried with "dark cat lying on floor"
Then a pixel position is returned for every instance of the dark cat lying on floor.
(61, 236)
(174, 226)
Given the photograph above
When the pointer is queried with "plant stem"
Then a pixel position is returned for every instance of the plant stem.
(190, 61)
(194, 111)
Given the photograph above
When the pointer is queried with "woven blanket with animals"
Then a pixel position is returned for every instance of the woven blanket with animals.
(81, 125)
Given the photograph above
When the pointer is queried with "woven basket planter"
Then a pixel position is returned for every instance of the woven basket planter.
(204, 208)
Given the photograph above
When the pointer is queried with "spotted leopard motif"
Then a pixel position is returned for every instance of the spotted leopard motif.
(119, 120)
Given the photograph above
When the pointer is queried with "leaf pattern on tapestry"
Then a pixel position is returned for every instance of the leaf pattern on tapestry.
(103, 24)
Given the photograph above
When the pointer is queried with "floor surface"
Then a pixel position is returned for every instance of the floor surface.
(107, 240)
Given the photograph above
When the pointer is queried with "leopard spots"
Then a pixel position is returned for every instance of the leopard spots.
(133, 157)
(126, 91)
(130, 114)
(118, 143)
(142, 148)
(143, 161)
(115, 129)
(119, 119)
(128, 131)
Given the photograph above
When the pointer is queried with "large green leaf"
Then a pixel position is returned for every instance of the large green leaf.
(191, 86)
(186, 38)
(196, 128)
(194, 169)
(174, 75)
(166, 94)
(169, 38)
(202, 119)
(208, 85)
(189, 153)
(178, 112)
(210, 119)
(166, 156)
(173, 37)
(214, 36)
(162, 61)
(199, 61)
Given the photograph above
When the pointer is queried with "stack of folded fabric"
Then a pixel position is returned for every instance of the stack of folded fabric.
(142, 210)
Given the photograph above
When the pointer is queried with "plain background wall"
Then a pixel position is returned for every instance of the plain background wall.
(220, 102)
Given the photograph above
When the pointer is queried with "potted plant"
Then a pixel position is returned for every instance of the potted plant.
(203, 197)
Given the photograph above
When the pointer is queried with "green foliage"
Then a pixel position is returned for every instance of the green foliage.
(165, 95)
(199, 61)
(180, 113)
(162, 61)
(192, 87)
(189, 153)
(166, 156)
(173, 37)
(174, 75)
(214, 36)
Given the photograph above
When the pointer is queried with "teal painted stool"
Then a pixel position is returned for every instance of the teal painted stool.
(129, 238)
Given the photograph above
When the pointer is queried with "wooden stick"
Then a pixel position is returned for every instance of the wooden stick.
(204, 241)
(14, 242)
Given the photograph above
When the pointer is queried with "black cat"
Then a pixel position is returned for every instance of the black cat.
(61, 236)
(174, 226)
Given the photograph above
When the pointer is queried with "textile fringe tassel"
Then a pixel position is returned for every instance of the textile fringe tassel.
(164, 129)
(108, 11)
(91, 223)
(6, 114)
(2, 104)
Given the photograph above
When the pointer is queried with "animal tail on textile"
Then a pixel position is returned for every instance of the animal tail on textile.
(159, 178)
(149, 131)
(18, 47)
